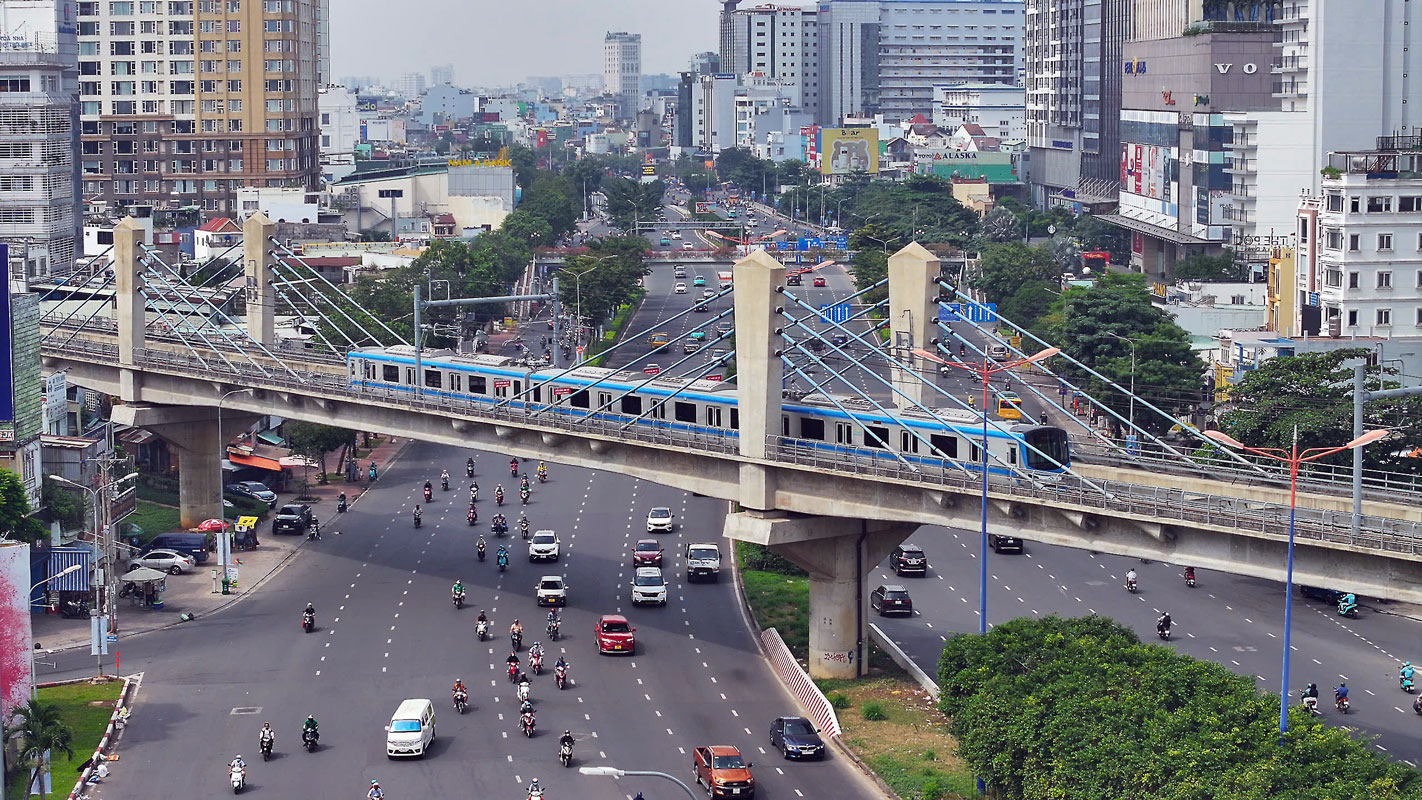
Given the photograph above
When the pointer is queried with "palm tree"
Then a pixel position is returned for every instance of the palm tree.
(40, 730)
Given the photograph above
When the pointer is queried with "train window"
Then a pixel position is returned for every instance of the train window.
(434, 379)
(843, 433)
(353, 370)
(538, 394)
(812, 429)
(456, 382)
(975, 453)
(684, 412)
(478, 385)
(604, 400)
(1052, 444)
(713, 416)
(409, 376)
(369, 370)
(908, 443)
(658, 411)
(946, 446)
(390, 373)
(632, 404)
(518, 388)
(736, 421)
(1012, 455)
(876, 436)
(579, 399)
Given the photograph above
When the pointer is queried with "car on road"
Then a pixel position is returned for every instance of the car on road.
(708, 294)
(292, 518)
(716, 355)
(169, 561)
(891, 599)
(648, 586)
(703, 560)
(819, 281)
(544, 546)
(647, 553)
(701, 308)
(690, 346)
(614, 634)
(839, 339)
(1004, 544)
(680, 288)
(796, 737)
(1329, 596)
(679, 271)
(723, 328)
(688, 246)
(676, 234)
(908, 558)
(666, 242)
(551, 591)
(793, 280)
(698, 281)
(659, 341)
(660, 519)
(997, 351)
(253, 489)
(722, 771)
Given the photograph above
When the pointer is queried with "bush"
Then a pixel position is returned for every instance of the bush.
(763, 559)
(839, 700)
(874, 711)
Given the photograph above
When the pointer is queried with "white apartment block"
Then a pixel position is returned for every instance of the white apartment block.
(780, 42)
(410, 85)
(1359, 254)
(923, 43)
(1000, 110)
(442, 74)
(39, 136)
(622, 70)
(340, 121)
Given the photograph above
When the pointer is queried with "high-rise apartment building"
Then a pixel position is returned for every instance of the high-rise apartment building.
(442, 74)
(923, 43)
(39, 132)
(1073, 68)
(182, 103)
(781, 43)
(323, 42)
(622, 71)
(410, 85)
(849, 59)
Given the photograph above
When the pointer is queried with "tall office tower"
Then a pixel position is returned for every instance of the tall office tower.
(849, 59)
(182, 103)
(727, 44)
(622, 71)
(783, 43)
(39, 135)
(923, 43)
(410, 85)
(1073, 66)
(707, 63)
(442, 74)
(323, 42)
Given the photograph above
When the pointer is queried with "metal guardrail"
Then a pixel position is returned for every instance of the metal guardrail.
(799, 683)
(1399, 537)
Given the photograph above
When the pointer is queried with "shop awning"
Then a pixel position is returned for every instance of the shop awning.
(297, 462)
(268, 437)
(136, 436)
(254, 461)
(62, 558)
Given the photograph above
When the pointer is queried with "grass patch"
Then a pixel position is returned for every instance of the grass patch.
(782, 603)
(86, 721)
(155, 519)
(899, 733)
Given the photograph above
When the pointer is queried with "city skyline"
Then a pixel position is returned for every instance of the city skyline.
(671, 33)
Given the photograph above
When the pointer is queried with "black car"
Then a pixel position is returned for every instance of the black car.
(909, 559)
(891, 599)
(1330, 596)
(701, 308)
(792, 280)
(1004, 544)
(292, 518)
(795, 737)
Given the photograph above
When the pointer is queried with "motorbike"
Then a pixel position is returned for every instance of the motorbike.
(239, 779)
(1163, 632)
(429, 494)
(373, 473)
(482, 629)
(1341, 703)
(473, 518)
(458, 599)
(73, 609)
(523, 496)
(499, 498)
(1131, 586)
(417, 520)
(535, 794)
(1417, 706)
(469, 469)
(1190, 578)
(513, 672)
(527, 723)
(523, 691)
(542, 477)
(1404, 682)
(503, 561)
(480, 550)
(536, 663)
(461, 701)
(499, 528)
(516, 639)
(523, 528)
(513, 469)
(1310, 704)
(309, 737)
(265, 745)
(565, 754)
(444, 484)
(341, 505)
(560, 676)
(1346, 609)
(308, 622)
(553, 627)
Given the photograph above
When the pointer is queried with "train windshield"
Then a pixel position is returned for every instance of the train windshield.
(1047, 449)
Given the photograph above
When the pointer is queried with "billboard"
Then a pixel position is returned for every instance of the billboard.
(16, 637)
(1145, 171)
(848, 150)
(7, 361)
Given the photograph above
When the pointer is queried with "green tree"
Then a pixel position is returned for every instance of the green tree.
(1003, 268)
(312, 441)
(525, 164)
(1028, 304)
(630, 202)
(610, 277)
(586, 175)
(375, 235)
(1313, 394)
(1201, 267)
(445, 143)
(1000, 225)
(1097, 236)
(15, 520)
(63, 505)
(40, 731)
(551, 197)
(527, 228)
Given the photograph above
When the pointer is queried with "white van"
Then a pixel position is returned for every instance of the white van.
(411, 729)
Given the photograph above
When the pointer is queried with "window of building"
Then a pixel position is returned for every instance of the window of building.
(1384, 279)
(1354, 204)
(1333, 278)
(1332, 239)
(1379, 205)
(1352, 319)
(1384, 241)
(1354, 280)
(1384, 316)
(1353, 242)
(1409, 203)
(1335, 202)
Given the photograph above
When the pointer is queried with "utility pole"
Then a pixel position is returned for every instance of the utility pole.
(1360, 397)
(393, 194)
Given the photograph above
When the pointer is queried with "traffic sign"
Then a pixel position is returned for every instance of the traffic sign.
(976, 312)
(112, 637)
(839, 313)
(703, 208)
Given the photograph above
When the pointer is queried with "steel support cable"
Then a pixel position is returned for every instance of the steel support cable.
(163, 317)
(281, 294)
(663, 402)
(97, 308)
(218, 313)
(311, 307)
(284, 266)
(339, 292)
(650, 379)
(177, 331)
(93, 273)
(82, 303)
(204, 319)
(934, 387)
(613, 373)
(1228, 452)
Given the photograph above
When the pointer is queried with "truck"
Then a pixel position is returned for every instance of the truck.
(703, 560)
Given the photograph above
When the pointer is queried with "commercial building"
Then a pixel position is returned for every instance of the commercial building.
(622, 71)
(999, 109)
(443, 75)
(39, 136)
(923, 43)
(778, 42)
(183, 103)
(323, 42)
(849, 59)
(477, 194)
(21, 388)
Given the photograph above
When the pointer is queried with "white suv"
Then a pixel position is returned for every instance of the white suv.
(544, 546)
(648, 586)
(552, 591)
(659, 519)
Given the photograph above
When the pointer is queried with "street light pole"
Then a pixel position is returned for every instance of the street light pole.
(224, 543)
(613, 772)
(1295, 459)
(1130, 415)
(104, 538)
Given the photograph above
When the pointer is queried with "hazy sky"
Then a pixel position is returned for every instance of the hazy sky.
(493, 42)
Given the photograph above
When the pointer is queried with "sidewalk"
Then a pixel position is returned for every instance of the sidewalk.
(192, 592)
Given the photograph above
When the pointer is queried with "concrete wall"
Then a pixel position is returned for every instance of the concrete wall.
(1209, 72)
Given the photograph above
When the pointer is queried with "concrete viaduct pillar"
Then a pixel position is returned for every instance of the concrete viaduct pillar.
(260, 295)
(758, 370)
(913, 319)
(131, 307)
(193, 432)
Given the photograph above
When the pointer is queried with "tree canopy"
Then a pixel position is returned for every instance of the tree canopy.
(15, 520)
(630, 202)
(921, 208)
(610, 277)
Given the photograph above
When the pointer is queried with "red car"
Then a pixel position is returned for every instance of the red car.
(647, 553)
(819, 281)
(614, 634)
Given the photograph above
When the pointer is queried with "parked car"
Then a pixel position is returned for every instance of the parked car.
(614, 634)
(169, 561)
(909, 558)
(796, 737)
(189, 544)
(647, 553)
(723, 772)
(254, 489)
(891, 599)
(1004, 544)
(292, 518)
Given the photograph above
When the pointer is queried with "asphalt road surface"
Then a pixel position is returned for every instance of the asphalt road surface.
(1236, 621)
(386, 631)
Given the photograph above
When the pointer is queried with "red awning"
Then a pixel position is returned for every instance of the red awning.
(254, 461)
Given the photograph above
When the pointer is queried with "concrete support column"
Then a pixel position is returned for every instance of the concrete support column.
(913, 317)
(257, 233)
(130, 309)
(199, 471)
(758, 370)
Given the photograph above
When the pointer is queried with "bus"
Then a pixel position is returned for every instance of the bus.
(724, 278)
(1009, 405)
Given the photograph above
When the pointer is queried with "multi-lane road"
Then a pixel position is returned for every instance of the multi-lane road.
(386, 631)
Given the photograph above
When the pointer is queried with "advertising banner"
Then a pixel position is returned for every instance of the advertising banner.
(7, 369)
(844, 151)
(16, 637)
